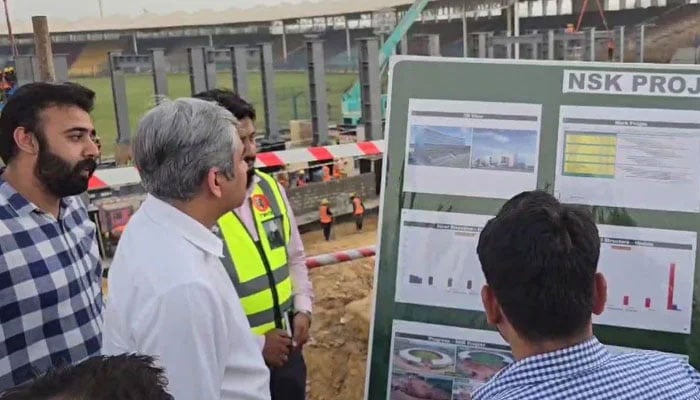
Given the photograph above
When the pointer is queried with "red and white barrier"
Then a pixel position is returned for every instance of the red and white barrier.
(123, 176)
(339, 257)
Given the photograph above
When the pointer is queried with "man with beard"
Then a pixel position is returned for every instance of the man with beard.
(265, 259)
(50, 271)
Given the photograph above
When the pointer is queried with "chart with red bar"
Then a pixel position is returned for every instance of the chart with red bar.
(650, 275)
(437, 263)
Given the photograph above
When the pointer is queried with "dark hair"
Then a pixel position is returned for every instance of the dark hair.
(122, 377)
(25, 105)
(540, 258)
(229, 100)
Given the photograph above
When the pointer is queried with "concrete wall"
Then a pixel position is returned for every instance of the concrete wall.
(306, 200)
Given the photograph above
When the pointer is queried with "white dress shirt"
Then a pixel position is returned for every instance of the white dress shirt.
(170, 297)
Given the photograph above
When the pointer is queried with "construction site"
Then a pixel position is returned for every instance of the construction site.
(316, 74)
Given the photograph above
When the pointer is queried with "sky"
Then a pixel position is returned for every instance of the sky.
(75, 9)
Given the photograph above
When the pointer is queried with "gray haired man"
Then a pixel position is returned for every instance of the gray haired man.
(170, 296)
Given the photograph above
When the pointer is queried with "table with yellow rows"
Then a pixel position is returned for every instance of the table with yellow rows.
(590, 155)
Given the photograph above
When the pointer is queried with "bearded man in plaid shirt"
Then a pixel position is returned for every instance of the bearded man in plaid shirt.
(50, 272)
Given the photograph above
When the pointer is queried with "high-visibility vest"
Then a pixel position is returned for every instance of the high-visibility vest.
(359, 210)
(252, 265)
(325, 217)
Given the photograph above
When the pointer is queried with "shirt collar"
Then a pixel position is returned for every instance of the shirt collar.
(182, 224)
(20, 204)
(568, 362)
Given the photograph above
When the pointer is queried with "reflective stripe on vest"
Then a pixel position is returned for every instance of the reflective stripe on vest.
(245, 260)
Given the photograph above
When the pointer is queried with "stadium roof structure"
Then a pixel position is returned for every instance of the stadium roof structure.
(279, 12)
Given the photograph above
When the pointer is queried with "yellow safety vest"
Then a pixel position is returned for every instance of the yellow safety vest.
(259, 270)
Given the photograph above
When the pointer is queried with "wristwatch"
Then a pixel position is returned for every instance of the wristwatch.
(307, 313)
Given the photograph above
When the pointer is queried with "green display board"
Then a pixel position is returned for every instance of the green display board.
(465, 135)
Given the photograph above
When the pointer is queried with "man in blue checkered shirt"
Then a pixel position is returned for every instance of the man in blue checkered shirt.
(50, 272)
(540, 258)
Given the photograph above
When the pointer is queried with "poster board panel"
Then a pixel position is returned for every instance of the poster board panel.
(487, 115)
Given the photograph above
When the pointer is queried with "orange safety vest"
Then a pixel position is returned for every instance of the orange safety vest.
(359, 210)
(326, 173)
(325, 217)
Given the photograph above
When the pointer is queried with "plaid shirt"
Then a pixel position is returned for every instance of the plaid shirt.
(50, 287)
(589, 371)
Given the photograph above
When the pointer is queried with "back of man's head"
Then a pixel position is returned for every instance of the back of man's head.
(540, 257)
(122, 377)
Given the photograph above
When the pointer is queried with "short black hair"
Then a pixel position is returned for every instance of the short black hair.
(121, 377)
(540, 258)
(229, 100)
(25, 105)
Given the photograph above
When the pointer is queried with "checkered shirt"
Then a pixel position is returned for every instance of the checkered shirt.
(589, 371)
(50, 287)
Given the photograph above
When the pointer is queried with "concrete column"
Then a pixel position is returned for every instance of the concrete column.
(370, 88)
(516, 28)
(621, 43)
(239, 64)
(465, 32)
(160, 72)
(269, 97)
(317, 91)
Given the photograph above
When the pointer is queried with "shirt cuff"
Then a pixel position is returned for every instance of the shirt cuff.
(302, 304)
(261, 341)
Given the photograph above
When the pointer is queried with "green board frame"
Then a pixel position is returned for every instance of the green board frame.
(513, 81)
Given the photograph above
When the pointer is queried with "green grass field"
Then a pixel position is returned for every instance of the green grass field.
(290, 87)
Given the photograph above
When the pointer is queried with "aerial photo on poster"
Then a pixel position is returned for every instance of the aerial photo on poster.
(458, 141)
(437, 361)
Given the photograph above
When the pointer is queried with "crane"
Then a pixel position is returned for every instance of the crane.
(351, 101)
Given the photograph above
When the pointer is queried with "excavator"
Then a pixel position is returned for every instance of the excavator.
(351, 99)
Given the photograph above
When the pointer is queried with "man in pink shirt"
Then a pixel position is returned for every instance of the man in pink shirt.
(265, 259)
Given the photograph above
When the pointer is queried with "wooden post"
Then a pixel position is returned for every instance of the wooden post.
(42, 46)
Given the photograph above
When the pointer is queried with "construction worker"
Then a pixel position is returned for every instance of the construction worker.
(358, 210)
(326, 218)
(326, 173)
(264, 256)
(336, 170)
(301, 178)
(611, 49)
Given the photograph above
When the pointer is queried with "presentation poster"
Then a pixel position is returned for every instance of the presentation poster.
(443, 362)
(430, 361)
(650, 275)
(629, 157)
(452, 144)
(437, 264)
(622, 140)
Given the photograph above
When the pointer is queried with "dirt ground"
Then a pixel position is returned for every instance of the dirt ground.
(337, 353)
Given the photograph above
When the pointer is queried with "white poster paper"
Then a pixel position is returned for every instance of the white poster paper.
(442, 362)
(467, 148)
(650, 275)
(629, 157)
(437, 262)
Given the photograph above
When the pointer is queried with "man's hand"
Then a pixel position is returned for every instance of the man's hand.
(276, 349)
(302, 323)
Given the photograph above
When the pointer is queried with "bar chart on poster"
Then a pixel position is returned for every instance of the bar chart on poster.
(437, 263)
(662, 263)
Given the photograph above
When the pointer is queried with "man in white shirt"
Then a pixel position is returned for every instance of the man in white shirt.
(170, 296)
